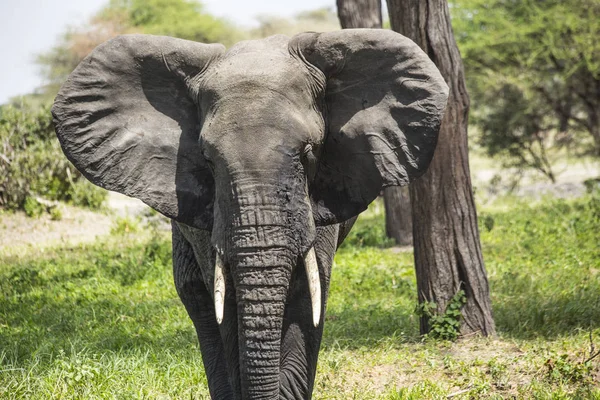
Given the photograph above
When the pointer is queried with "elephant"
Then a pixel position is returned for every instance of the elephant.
(262, 156)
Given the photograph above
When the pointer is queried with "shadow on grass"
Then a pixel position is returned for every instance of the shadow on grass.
(570, 307)
(65, 324)
(93, 298)
(362, 328)
(543, 265)
(522, 317)
(48, 324)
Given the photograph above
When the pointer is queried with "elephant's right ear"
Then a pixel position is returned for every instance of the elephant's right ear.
(384, 101)
(127, 119)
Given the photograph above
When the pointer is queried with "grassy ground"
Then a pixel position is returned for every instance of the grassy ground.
(103, 321)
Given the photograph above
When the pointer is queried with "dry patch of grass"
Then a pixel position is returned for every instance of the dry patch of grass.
(473, 368)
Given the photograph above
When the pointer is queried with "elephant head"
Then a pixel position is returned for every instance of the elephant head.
(261, 146)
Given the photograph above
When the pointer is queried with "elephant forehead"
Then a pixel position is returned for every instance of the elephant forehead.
(259, 91)
(255, 71)
(257, 102)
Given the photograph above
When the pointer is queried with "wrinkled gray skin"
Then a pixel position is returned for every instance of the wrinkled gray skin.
(257, 154)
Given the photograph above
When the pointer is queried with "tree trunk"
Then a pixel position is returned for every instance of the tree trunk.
(398, 215)
(446, 238)
(359, 13)
(398, 218)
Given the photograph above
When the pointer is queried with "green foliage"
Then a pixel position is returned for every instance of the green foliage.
(533, 69)
(185, 19)
(592, 186)
(32, 165)
(446, 325)
(33, 208)
(57, 63)
(487, 221)
(90, 322)
(372, 297)
(76, 371)
(564, 369)
(423, 390)
(319, 20)
(55, 214)
(515, 128)
(543, 266)
(86, 194)
(125, 225)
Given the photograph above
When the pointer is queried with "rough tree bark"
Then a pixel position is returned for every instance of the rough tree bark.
(446, 238)
(398, 217)
(359, 13)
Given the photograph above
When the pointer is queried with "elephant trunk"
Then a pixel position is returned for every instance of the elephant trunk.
(261, 239)
(262, 281)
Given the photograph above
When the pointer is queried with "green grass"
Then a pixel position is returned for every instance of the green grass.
(103, 321)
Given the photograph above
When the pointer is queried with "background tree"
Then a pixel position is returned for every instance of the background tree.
(447, 249)
(33, 169)
(398, 217)
(184, 19)
(534, 76)
(359, 13)
(319, 20)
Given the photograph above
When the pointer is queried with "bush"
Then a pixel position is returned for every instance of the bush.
(33, 166)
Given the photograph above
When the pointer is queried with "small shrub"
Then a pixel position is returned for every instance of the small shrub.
(125, 225)
(592, 185)
(444, 326)
(32, 207)
(86, 194)
(32, 164)
(486, 221)
(56, 214)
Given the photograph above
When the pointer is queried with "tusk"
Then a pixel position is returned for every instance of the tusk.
(314, 284)
(219, 288)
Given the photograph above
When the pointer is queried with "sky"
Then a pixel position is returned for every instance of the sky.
(30, 27)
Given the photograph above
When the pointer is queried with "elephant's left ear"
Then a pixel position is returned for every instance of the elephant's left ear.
(384, 101)
(127, 118)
